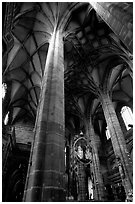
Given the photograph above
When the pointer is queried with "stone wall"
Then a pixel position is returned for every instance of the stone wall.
(24, 133)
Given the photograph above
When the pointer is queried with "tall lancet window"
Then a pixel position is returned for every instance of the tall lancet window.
(127, 116)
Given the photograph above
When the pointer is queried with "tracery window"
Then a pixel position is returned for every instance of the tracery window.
(127, 116)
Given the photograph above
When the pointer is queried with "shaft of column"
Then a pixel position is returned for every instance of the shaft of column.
(118, 142)
(82, 194)
(98, 181)
(47, 170)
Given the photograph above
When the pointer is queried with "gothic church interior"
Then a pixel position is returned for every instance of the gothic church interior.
(67, 101)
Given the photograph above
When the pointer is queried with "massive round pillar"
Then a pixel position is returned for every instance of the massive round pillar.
(46, 174)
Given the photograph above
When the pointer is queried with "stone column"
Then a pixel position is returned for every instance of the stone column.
(82, 188)
(119, 17)
(46, 177)
(67, 168)
(98, 181)
(118, 141)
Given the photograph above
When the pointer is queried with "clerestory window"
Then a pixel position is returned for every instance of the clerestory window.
(127, 116)
(108, 136)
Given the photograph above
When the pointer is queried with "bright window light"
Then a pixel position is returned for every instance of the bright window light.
(6, 119)
(4, 87)
(108, 136)
(127, 116)
(65, 156)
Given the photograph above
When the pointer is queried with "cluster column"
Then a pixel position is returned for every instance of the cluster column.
(118, 142)
(98, 181)
(45, 181)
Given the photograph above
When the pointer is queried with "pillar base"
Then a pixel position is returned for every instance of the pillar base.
(47, 194)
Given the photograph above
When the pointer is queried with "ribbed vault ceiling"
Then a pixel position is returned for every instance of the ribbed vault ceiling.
(93, 58)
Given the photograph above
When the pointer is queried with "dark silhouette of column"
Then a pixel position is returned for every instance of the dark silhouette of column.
(82, 188)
